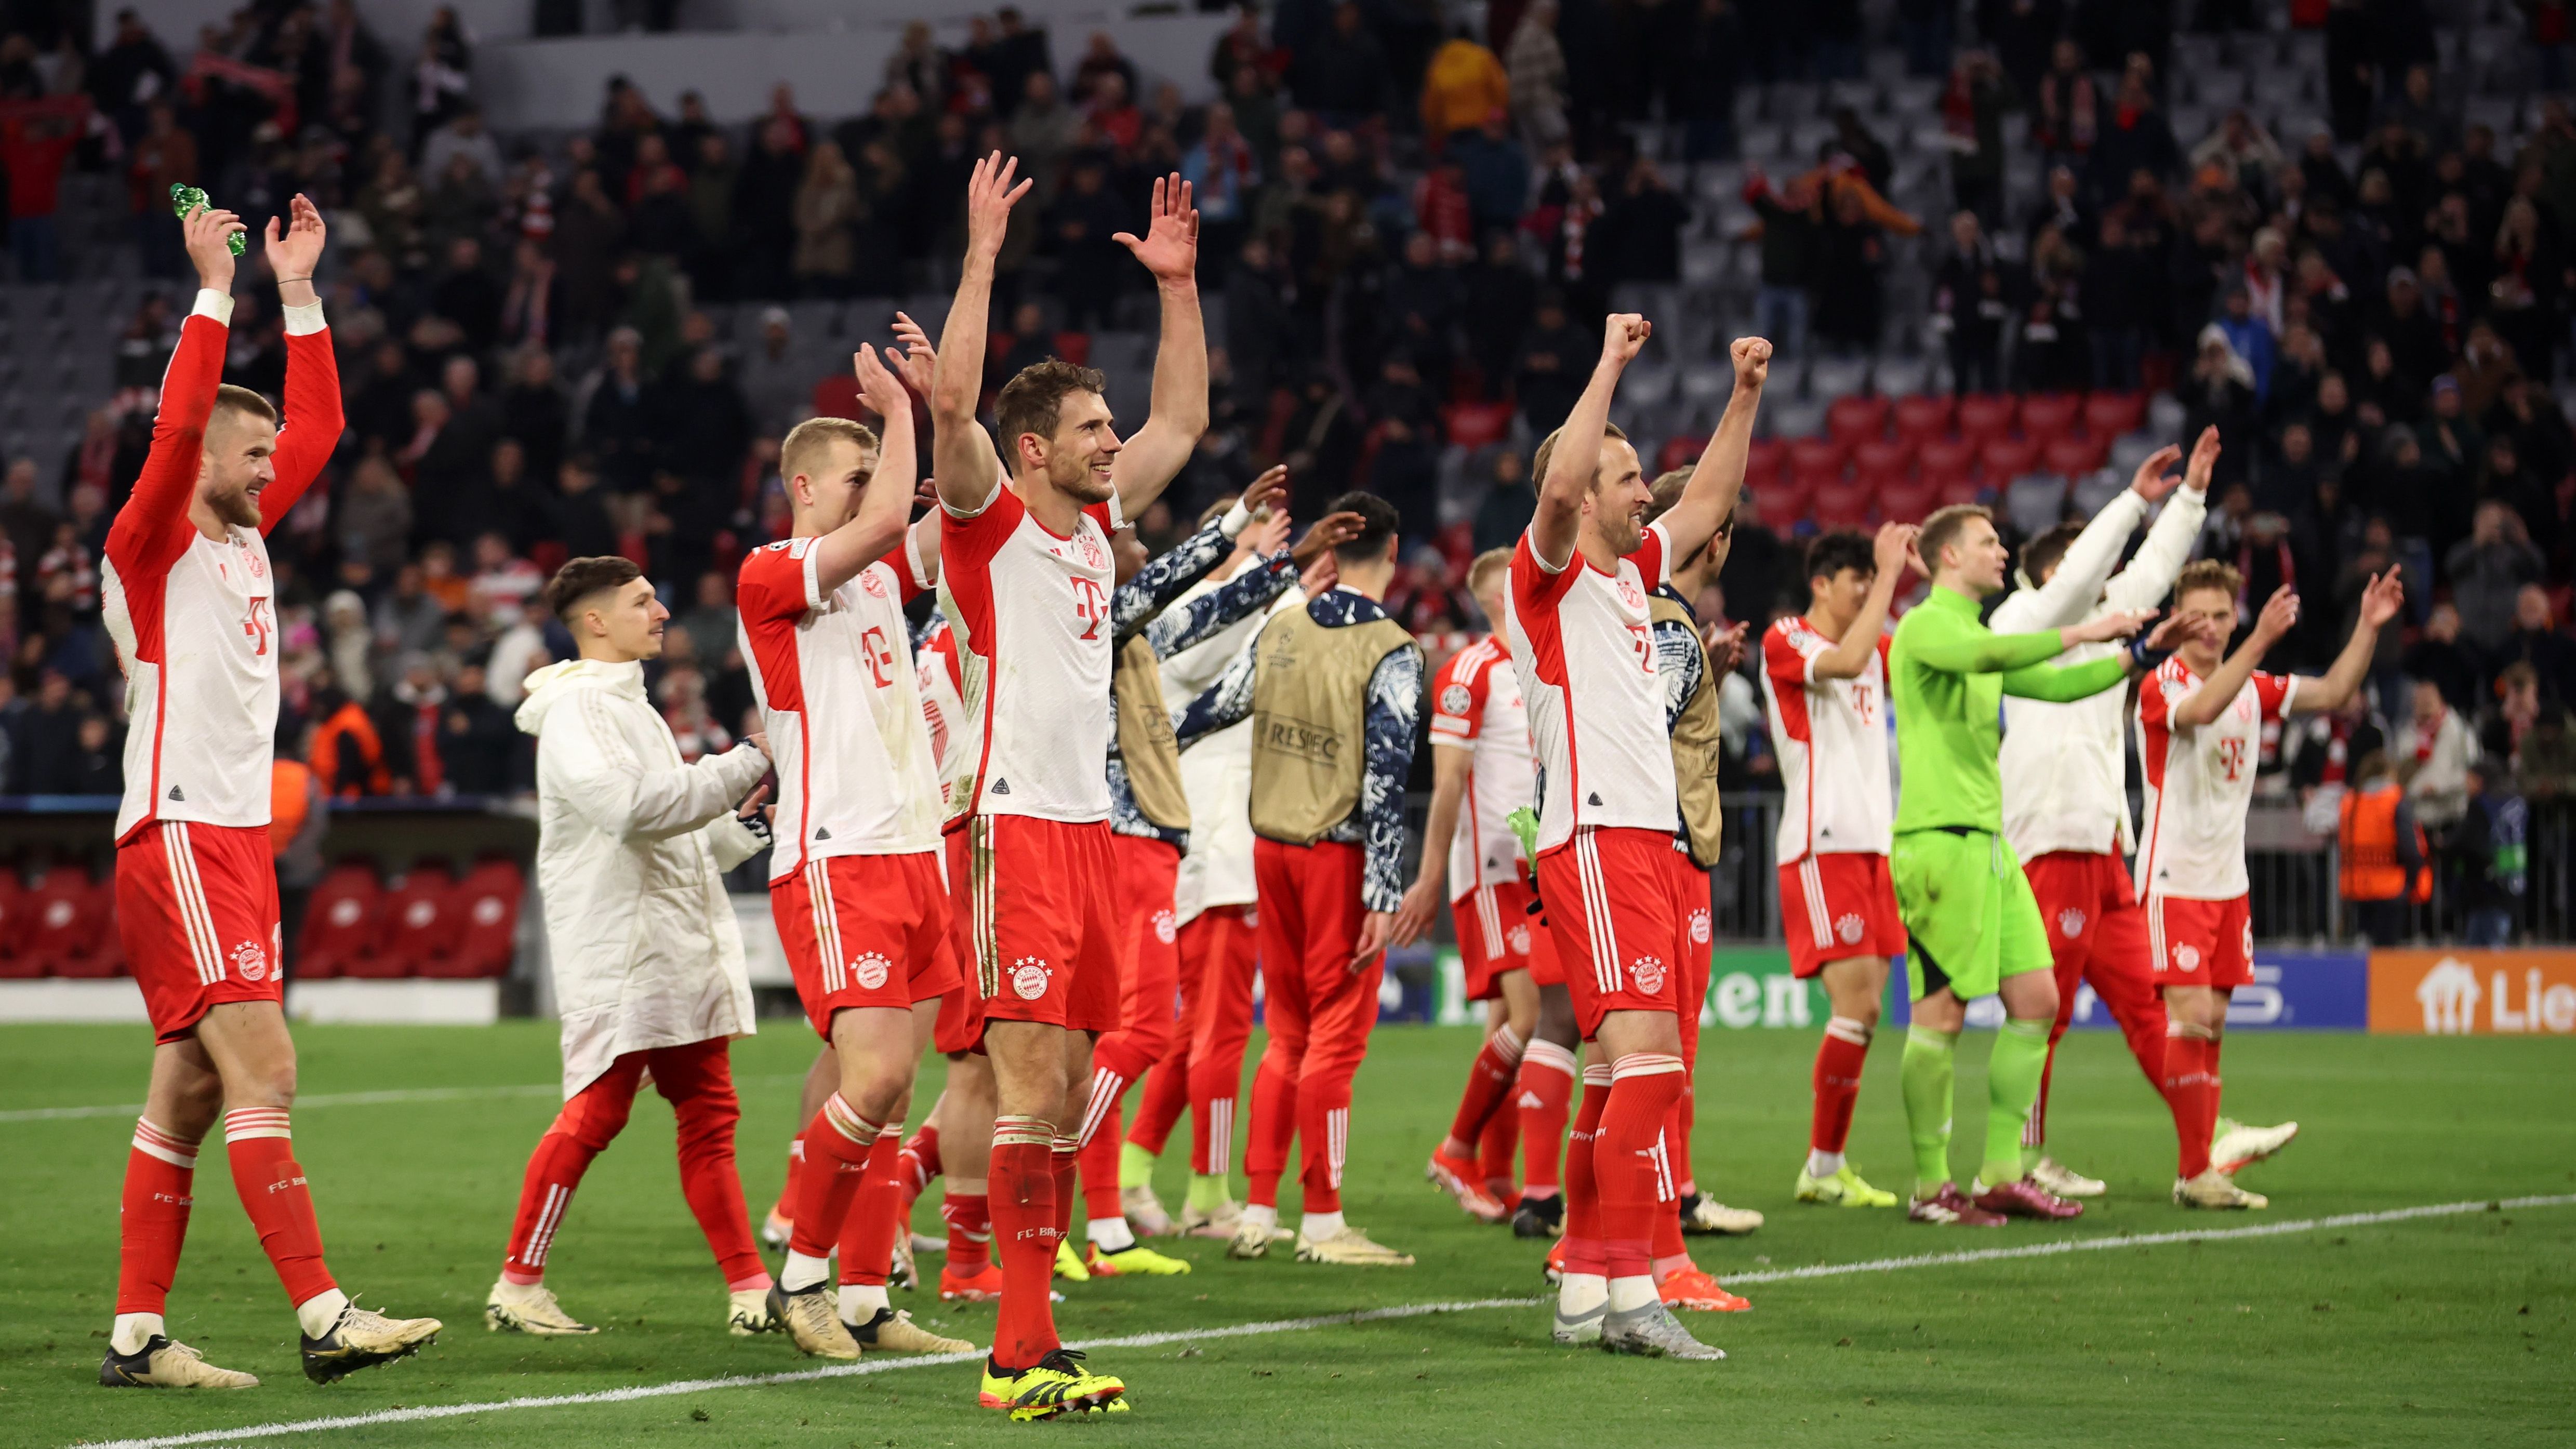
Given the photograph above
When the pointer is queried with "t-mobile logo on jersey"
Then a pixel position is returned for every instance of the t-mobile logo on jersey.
(1090, 605)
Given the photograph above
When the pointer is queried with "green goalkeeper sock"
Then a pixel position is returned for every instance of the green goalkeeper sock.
(1208, 1191)
(1925, 1074)
(1135, 1166)
(2012, 1085)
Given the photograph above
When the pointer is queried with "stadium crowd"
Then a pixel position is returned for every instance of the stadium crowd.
(566, 345)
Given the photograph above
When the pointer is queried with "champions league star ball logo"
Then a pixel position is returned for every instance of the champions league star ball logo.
(1699, 928)
(2070, 924)
(1849, 928)
(1648, 973)
(870, 970)
(1029, 978)
(1164, 930)
(1455, 699)
(1518, 938)
(2187, 957)
(250, 961)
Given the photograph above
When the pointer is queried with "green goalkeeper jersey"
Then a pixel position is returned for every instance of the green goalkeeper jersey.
(1947, 674)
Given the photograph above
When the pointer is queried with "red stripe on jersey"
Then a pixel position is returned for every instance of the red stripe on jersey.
(1787, 667)
(769, 598)
(966, 550)
(1535, 596)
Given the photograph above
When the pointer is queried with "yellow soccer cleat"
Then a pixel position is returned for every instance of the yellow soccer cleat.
(1069, 1265)
(1843, 1189)
(891, 1331)
(364, 1338)
(813, 1321)
(1139, 1260)
(530, 1308)
(161, 1364)
(1056, 1386)
(2215, 1189)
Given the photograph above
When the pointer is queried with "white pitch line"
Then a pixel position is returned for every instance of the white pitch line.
(391, 1097)
(1329, 1320)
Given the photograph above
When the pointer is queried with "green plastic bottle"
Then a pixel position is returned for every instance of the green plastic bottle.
(185, 198)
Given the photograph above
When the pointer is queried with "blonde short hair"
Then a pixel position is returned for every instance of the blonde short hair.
(805, 442)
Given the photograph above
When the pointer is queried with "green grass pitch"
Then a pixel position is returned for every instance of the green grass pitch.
(2439, 1330)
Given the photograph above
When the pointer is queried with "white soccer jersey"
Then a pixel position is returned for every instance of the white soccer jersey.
(1831, 738)
(2200, 783)
(1584, 650)
(954, 740)
(837, 690)
(1476, 706)
(1030, 610)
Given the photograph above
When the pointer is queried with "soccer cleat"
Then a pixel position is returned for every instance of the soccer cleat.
(1056, 1385)
(2023, 1198)
(1951, 1208)
(812, 1320)
(927, 1243)
(1216, 1222)
(1692, 1288)
(161, 1364)
(1553, 1267)
(983, 1286)
(774, 1232)
(891, 1331)
(1538, 1217)
(2215, 1189)
(1582, 1328)
(748, 1313)
(1145, 1215)
(901, 1271)
(530, 1308)
(2237, 1145)
(1708, 1215)
(1653, 1332)
(364, 1338)
(1843, 1189)
(1137, 1261)
(1068, 1263)
(1458, 1179)
(1251, 1239)
(2061, 1180)
(1350, 1248)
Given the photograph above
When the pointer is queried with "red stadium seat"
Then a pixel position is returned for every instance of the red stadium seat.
(2072, 456)
(1960, 488)
(14, 958)
(1073, 347)
(2109, 414)
(1908, 500)
(1840, 505)
(1984, 417)
(1881, 460)
(2005, 459)
(1857, 418)
(1684, 450)
(421, 923)
(1477, 425)
(486, 931)
(70, 921)
(341, 922)
(1816, 458)
(1922, 417)
(2047, 415)
(1945, 457)
(1763, 458)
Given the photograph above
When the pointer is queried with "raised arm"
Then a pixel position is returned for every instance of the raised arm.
(2379, 604)
(1961, 646)
(2280, 615)
(961, 452)
(1169, 574)
(1577, 455)
(619, 795)
(1170, 250)
(1226, 702)
(1718, 477)
(2150, 575)
(2064, 683)
(1850, 654)
(878, 527)
(2071, 592)
(313, 418)
(151, 530)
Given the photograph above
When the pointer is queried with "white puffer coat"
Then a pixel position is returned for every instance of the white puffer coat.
(632, 844)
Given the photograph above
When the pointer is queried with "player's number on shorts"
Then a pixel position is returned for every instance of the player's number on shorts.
(880, 658)
(256, 626)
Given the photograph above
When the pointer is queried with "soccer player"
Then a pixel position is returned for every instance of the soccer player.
(1481, 769)
(1334, 692)
(648, 978)
(1025, 579)
(1824, 685)
(1583, 649)
(1968, 914)
(2200, 729)
(187, 595)
(856, 882)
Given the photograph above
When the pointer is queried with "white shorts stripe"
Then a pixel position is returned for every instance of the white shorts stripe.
(1490, 916)
(2156, 930)
(827, 926)
(195, 921)
(1811, 884)
(1596, 911)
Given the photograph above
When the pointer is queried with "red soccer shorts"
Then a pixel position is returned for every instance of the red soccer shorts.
(864, 931)
(1496, 933)
(1836, 906)
(960, 1025)
(1614, 906)
(1042, 901)
(2201, 943)
(196, 907)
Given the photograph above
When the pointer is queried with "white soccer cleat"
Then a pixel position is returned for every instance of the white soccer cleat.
(2215, 1189)
(2238, 1146)
(812, 1318)
(2065, 1181)
(748, 1313)
(774, 1231)
(1144, 1212)
(1217, 1222)
(1653, 1332)
(1350, 1248)
(1251, 1239)
(1582, 1328)
(530, 1308)
(162, 1364)
(1708, 1215)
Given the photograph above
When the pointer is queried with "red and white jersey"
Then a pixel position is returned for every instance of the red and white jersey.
(1585, 653)
(1476, 706)
(1831, 737)
(1030, 609)
(954, 740)
(2200, 783)
(194, 618)
(834, 677)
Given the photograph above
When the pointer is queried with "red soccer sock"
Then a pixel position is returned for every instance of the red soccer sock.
(1062, 1165)
(160, 1174)
(2190, 1088)
(1025, 1234)
(876, 1215)
(1489, 1084)
(2209, 1106)
(1099, 1163)
(785, 1207)
(1546, 1092)
(1584, 1251)
(1633, 1181)
(1667, 1239)
(1502, 1137)
(919, 1161)
(969, 1216)
(1839, 1059)
(837, 1145)
(272, 1188)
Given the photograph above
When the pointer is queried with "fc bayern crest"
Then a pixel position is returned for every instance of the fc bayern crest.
(1091, 553)
(1631, 595)
(1850, 928)
(873, 582)
(1699, 928)
(1648, 973)
(1029, 978)
(2070, 923)
(250, 961)
(1518, 938)
(1164, 930)
(870, 970)
(2187, 957)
